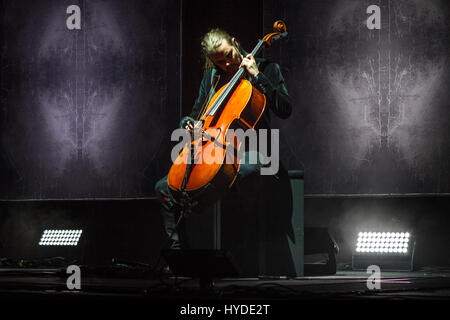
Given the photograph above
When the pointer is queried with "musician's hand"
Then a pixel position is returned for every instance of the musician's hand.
(189, 127)
(250, 64)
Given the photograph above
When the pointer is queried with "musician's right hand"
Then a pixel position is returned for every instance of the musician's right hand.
(189, 126)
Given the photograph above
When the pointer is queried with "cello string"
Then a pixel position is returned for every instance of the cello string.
(225, 93)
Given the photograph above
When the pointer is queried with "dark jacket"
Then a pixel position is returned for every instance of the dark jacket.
(269, 81)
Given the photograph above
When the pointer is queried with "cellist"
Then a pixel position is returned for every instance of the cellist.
(223, 57)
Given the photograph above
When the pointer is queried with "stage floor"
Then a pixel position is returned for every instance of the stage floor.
(107, 283)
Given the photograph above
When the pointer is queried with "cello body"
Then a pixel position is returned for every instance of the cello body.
(216, 169)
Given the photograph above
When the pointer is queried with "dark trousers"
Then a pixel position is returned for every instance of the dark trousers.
(170, 210)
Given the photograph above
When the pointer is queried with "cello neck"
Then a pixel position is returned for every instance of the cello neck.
(258, 47)
(240, 72)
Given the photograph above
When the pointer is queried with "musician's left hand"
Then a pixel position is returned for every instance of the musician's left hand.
(250, 64)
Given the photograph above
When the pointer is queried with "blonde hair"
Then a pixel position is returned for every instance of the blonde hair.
(211, 41)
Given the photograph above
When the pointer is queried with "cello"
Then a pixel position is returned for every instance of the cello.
(208, 165)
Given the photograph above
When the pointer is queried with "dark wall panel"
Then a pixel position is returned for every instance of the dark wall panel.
(105, 232)
(371, 106)
(85, 113)
(426, 218)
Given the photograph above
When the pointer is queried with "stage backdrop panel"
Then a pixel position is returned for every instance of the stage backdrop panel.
(88, 112)
(371, 107)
